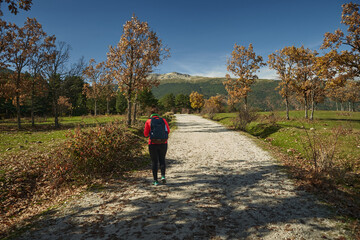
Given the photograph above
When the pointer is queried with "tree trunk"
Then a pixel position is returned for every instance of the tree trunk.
(245, 101)
(17, 97)
(337, 106)
(342, 106)
(32, 104)
(312, 106)
(56, 113)
(129, 111)
(312, 111)
(135, 108)
(349, 106)
(107, 106)
(287, 108)
(95, 107)
(32, 111)
(306, 107)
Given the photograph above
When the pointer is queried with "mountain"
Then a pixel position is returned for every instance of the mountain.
(175, 77)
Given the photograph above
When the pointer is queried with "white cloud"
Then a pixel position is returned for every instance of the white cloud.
(267, 73)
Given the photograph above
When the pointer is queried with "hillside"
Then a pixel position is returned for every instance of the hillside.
(263, 95)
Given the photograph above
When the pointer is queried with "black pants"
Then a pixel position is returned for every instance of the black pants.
(157, 155)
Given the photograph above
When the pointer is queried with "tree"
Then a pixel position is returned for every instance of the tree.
(147, 99)
(37, 64)
(95, 74)
(352, 93)
(197, 100)
(182, 101)
(73, 89)
(6, 39)
(304, 75)
(64, 105)
(121, 103)
(14, 6)
(213, 105)
(55, 71)
(133, 58)
(347, 60)
(168, 101)
(283, 63)
(20, 52)
(244, 63)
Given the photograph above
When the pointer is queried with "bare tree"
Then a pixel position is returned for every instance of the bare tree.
(59, 55)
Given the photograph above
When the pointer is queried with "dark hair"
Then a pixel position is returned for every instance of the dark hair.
(154, 109)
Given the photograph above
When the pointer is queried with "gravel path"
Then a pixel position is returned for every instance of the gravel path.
(220, 186)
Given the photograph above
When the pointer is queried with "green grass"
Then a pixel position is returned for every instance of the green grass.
(290, 134)
(44, 135)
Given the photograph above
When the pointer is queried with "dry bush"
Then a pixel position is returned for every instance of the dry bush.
(321, 152)
(103, 149)
(244, 117)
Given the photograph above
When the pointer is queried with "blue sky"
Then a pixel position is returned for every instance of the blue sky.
(200, 34)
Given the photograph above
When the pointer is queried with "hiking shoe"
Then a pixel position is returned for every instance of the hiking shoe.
(163, 180)
(155, 183)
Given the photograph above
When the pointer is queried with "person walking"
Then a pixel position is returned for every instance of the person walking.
(157, 129)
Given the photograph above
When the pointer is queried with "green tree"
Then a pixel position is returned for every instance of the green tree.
(121, 103)
(168, 101)
(147, 99)
(182, 101)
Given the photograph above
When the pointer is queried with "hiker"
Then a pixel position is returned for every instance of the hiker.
(157, 129)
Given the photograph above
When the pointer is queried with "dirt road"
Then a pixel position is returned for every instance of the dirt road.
(220, 186)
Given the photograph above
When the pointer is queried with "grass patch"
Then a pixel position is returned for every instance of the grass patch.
(44, 135)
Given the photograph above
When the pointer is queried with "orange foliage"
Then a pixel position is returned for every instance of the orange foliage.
(133, 58)
(244, 63)
(14, 6)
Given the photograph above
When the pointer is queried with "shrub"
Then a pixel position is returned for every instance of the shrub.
(321, 152)
(103, 149)
(244, 117)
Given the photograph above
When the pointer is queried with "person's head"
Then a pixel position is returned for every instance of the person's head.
(154, 109)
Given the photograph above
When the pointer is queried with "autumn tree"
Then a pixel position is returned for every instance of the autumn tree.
(20, 52)
(347, 61)
(7, 36)
(243, 63)
(213, 105)
(64, 105)
(304, 75)
(283, 62)
(196, 100)
(95, 75)
(133, 58)
(14, 6)
(108, 89)
(352, 93)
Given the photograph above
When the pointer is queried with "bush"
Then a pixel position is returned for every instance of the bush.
(321, 152)
(102, 150)
(244, 117)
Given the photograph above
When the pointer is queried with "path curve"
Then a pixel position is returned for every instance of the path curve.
(220, 186)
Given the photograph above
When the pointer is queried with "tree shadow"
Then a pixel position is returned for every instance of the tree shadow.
(196, 205)
(263, 130)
